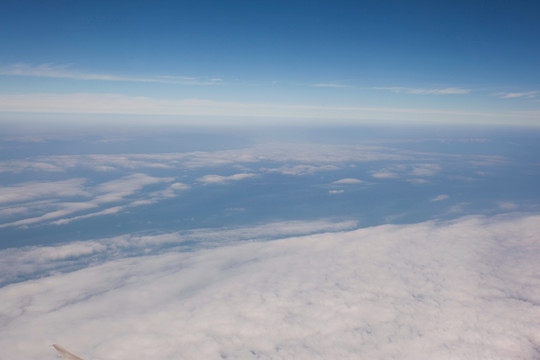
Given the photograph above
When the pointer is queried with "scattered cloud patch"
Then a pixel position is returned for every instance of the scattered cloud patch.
(384, 174)
(218, 179)
(333, 192)
(306, 158)
(400, 170)
(439, 198)
(424, 170)
(58, 211)
(36, 190)
(301, 169)
(347, 181)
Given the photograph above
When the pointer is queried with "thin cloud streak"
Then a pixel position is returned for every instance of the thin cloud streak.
(105, 194)
(514, 95)
(88, 103)
(331, 85)
(421, 91)
(64, 72)
(218, 179)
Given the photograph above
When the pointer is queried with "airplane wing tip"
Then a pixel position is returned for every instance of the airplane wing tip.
(66, 355)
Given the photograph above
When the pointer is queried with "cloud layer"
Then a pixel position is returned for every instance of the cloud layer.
(462, 289)
(65, 72)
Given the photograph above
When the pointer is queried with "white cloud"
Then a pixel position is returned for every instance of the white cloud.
(65, 72)
(439, 198)
(524, 94)
(35, 261)
(333, 192)
(430, 290)
(331, 85)
(36, 190)
(424, 170)
(400, 170)
(107, 104)
(218, 179)
(384, 174)
(421, 91)
(301, 169)
(347, 181)
(115, 191)
(309, 158)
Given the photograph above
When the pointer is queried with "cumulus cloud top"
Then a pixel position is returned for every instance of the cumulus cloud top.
(461, 289)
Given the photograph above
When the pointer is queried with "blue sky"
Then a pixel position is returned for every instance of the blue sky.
(355, 62)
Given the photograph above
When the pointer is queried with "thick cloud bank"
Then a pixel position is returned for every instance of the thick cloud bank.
(466, 289)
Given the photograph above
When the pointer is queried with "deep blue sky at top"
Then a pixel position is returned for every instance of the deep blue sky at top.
(465, 39)
(489, 47)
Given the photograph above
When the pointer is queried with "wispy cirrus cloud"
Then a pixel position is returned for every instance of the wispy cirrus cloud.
(331, 85)
(423, 91)
(438, 198)
(109, 103)
(513, 95)
(66, 72)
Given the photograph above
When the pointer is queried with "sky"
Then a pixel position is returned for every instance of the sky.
(208, 62)
(270, 179)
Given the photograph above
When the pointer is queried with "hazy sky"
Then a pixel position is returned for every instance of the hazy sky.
(353, 61)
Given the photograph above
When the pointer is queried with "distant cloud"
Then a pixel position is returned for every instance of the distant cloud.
(65, 72)
(384, 174)
(424, 170)
(417, 181)
(421, 91)
(32, 191)
(458, 208)
(333, 192)
(301, 169)
(331, 85)
(507, 205)
(513, 95)
(348, 181)
(416, 170)
(106, 103)
(218, 179)
(34, 261)
(436, 290)
(53, 205)
(439, 198)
